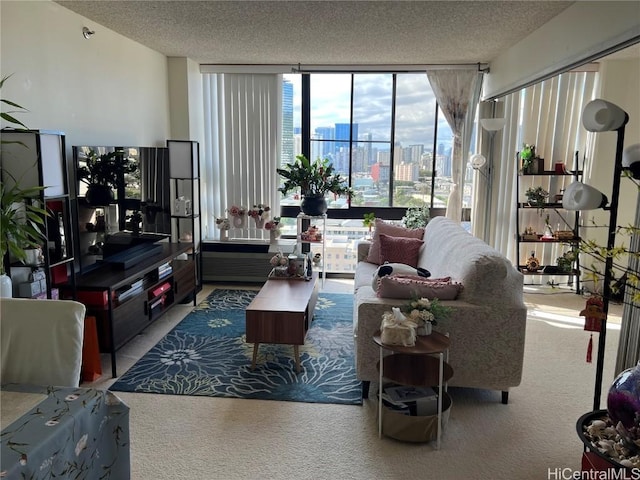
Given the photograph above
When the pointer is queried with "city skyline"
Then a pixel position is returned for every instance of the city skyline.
(414, 115)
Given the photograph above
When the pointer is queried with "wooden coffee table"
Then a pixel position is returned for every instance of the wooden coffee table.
(282, 313)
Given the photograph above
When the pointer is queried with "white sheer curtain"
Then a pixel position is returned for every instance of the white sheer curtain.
(547, 115)
(242, 144)
(457, 92)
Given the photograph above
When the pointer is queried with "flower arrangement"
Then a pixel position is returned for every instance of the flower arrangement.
(422, 311)
(237, 211)
(257, 211)
(279, 260)
(273, 224)
(223, 223)
(416, 217)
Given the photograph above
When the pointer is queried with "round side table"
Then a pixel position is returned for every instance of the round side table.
(424, 364)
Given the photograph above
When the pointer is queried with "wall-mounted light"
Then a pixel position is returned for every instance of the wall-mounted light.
(477, 161)
(492, 126)
(86, 33)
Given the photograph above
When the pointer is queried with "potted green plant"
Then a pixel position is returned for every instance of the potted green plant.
(21, 219)
(565, 262)
(369, 220)
(102, 173)
(416, 217)
(537, 196)
(314, 179)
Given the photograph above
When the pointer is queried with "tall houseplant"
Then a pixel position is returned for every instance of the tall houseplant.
(314, 179)
(21, 219)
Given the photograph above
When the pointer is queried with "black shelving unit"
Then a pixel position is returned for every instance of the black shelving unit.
(567, 221)
(38, 158)
(186, 222)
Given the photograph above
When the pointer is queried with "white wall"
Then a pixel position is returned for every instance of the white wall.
(583, 30)
(107, 90)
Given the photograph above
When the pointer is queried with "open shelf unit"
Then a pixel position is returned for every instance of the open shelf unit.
(564, 226)
(37, 158)
(304, 244)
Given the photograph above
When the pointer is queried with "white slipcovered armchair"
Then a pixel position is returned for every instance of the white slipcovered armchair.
(41, 341)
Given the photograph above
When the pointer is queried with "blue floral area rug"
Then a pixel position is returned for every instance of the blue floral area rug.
(206, 354)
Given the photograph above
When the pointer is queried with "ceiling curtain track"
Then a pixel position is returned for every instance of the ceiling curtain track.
(242, 132)
(457, 93)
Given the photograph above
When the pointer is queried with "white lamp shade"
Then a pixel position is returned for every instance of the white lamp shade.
(477, 161)
(631, 160)
(602, 116)
(493, 124)
(579, 196)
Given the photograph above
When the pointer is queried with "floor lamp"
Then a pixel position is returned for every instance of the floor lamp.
(491, 125)
(601, 116)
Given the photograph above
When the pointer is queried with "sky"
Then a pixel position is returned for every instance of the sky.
(415, 107)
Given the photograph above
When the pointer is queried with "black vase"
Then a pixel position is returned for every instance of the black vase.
(313, 206)
(99, 195)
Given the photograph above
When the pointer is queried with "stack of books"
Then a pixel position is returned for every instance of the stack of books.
(129, 291)
(410, 400)
(164, 270)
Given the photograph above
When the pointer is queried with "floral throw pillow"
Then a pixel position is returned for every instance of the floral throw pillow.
(400, 250)
(411, 286)
(384, 228)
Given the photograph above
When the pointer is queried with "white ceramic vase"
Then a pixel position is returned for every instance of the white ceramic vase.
(6, 286)
(425, 329)
(224, 235)
(273, 236)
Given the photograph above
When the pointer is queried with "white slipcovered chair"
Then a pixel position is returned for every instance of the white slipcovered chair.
(41, 341)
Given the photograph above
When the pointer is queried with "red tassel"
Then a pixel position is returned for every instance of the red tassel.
(590, 348)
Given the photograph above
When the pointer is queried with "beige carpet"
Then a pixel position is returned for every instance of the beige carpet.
(181, 437)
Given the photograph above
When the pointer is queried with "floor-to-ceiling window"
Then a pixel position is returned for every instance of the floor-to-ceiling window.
(383, 131)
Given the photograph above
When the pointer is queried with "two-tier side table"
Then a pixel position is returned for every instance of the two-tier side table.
(424, 364)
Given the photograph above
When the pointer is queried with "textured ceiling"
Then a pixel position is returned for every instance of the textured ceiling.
(323, 32)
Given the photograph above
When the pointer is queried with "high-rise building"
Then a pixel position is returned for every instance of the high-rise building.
(328, 147)
(288, 150)
(342, 134)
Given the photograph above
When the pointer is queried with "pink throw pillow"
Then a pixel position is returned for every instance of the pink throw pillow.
(410, 286)
(400, 250)
(384, 228)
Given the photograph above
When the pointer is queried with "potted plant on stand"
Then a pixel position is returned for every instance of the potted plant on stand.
(314, 179)
(20, 219)
(102, 173)
(20, 226)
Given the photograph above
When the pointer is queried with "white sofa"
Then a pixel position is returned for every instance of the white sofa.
(41, 341)
(487, 321)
